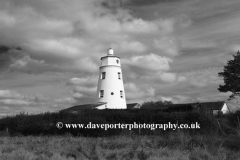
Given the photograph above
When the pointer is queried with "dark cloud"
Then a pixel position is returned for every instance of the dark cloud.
(8, 55)
(4, 49)
(193, 59)
(149, 2)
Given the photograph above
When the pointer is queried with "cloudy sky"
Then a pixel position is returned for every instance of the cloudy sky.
(170, 50)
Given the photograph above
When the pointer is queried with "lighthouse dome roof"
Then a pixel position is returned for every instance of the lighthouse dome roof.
(110, 51)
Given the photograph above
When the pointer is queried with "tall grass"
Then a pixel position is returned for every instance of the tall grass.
(176, 146)
(36, 137)
(45, 124)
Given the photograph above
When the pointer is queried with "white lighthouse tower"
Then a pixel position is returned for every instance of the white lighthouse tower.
(110, 88)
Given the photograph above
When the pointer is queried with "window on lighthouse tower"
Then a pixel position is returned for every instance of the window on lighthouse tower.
(121, 94)
(103, 75)
(101, 93)
(119, 75)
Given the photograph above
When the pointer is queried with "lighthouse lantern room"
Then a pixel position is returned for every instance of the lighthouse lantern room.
(110, 88)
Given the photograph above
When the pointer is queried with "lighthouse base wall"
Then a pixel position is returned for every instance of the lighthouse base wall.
(113, 105)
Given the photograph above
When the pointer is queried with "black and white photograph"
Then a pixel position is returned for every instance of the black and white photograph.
(119, 80)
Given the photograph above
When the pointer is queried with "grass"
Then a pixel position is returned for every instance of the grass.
(219, 138)
(175, 146)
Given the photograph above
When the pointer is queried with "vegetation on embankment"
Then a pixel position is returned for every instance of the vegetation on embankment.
(45, 123)
(37, 137)
(174, 146)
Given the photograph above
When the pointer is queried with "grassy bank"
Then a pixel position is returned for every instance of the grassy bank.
(28, 137)
(45, 124)
(175, 146)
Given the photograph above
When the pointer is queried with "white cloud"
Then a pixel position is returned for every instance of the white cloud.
(74, 41)
(140, 26)
(65, 100)
(86, 90)
(14, 102)
(84, 95)
(5, 94)
(6, 20)
(135, 95)
(167, 77)
(181, 79)
(166, 25)
(168, 45)
(77, 95)
(53, 26)
(151, 91)
(158, 98)
(133, 92)
(166, 98)
(131, 87)
(84, 81)
(181, 99)
(86, 64)
(66, 47)
(131, 46)
(203, 78)
(234, 48)
(29, 65)
(139, 93)
(78, 80)
(150, 62)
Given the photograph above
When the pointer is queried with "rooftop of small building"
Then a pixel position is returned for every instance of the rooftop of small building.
(83, 106)
(132, 105)
(203, 105)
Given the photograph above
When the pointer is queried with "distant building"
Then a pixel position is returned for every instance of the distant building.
(207, 107)
(212, 107)
(133, 106)
(79, 108)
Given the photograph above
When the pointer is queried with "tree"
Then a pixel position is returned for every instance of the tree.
(231, 75)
